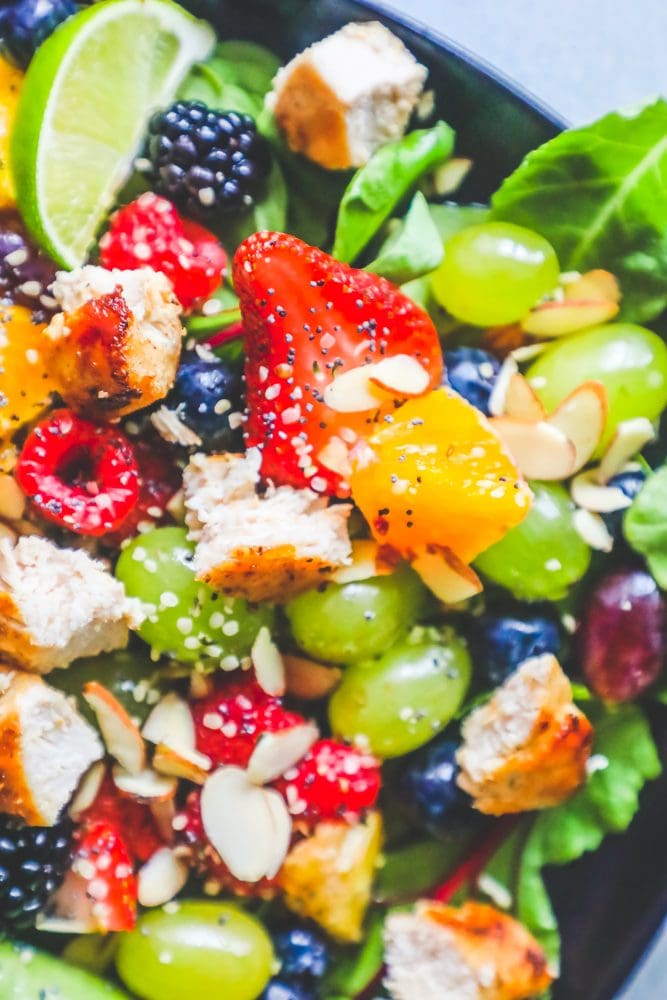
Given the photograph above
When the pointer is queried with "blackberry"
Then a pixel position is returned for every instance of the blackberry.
(207, 161)
(26, 274)
(25, 24)
(33, 862)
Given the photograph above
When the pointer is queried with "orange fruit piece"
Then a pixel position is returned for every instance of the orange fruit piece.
(11, 79)
(438, 476)
(25, 384)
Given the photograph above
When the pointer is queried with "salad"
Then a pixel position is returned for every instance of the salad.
(333, 538)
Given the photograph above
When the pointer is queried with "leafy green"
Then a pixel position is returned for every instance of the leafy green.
(204, 83)
(450, 218)
(413, 248)
(376, 189)
(269, 212)
(409, 872)
(645, 524)
(606, 804)
(228, 312)
(352, 970)
(599, 195)
(246, 64)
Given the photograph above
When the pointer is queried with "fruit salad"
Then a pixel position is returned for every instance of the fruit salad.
(333, 542)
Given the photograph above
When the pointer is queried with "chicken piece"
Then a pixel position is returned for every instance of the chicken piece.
(472, 952)
(527, 747)
(345, 96)
(264, 548)
(116, 346)
(57, 605)
(327, 877)
(45, 748)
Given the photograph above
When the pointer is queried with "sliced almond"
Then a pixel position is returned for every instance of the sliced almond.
(449, 177)
(163, 812)
(145, 785)
(89, 786)
(161, 878)
(282, 830)
(241, 822)
(309, 680)
(540, 450)
(592, 529)
(445, 575)
(498, 395)
(336, 456)
(268, 663)
(367, 561)
(181, 763)
(581, 417)
(170, 722)
(121, 735)
(560, 318)
(521, 400)
(65, 925)
(589, 494)
(353, 392)
(402, 375)
(276, 753)
(596, 284)
(529, 351)
(629, 439)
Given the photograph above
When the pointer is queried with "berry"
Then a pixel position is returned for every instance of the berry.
(25, 274)
(502, 642)
(79, 475)
(101, 879)
(207, 391)
(159, 479)
(149, 232)
(429, 793)
(207, 161)
(332, 781)
(280, 989)
(27, 23)
(302, 953)
(308, 318)
(229, 722)
(630, 483)
(472, 373)
(33, 861)
(133, 819)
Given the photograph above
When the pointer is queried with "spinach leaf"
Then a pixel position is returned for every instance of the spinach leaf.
(354, 969)
(606, 804)
(376, 189)
(413, 248)
(205, 83)
(599, 195)
(246, 64)
(270, 212)
(228, 312)
(645, 524)
(450, 218)
(410, 871)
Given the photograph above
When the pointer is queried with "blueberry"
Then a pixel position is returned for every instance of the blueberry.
(630, 483)
(472, 373)
(429, 793)
(502, 642)
(27, 23)
(280, 989)
(25, 273)
(302, 953)
(205, 394)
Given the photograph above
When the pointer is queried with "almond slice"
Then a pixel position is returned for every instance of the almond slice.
(540, 450)
(170, 722)
(448, 178)
(401, 375)
(268, 663)
(445, 575)
(275, 753)
(89, 786)
(589, 494)
(248, 826)
(498, 395)
(309, 680)
(629, 439)
(592, 529)
(528, 351)
(163, 812)
(181, 763)
(367, 561)
(581, 417)
(64, 925)
(559, 318)
(596, 284)
(121, 735)
(145, 785)
(161, 878)
(336, 456)
(521, 400)
(352, 391)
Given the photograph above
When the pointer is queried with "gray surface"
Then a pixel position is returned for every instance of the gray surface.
(582, 58)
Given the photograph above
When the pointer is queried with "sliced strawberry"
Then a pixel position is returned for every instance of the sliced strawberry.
(132, 819)
(308, 318)
(101, 885)
(230, 721)
(332, 781)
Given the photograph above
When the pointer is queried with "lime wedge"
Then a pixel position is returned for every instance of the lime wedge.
(86, 101)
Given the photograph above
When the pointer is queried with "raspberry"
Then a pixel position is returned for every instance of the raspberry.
(132, 819)
(332, 781)
(79, 475)
(229, 722)
(159, 479)
(149, 232)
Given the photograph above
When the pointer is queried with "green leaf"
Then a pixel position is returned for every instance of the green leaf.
(352, 970)
(599, 195)
(205, 83)
(645, 524)
(250, 66)
(450, 218)
(409, 872)
(270, 212)
(228, 312)
(376, 189)
(413, 249)
(606, 804)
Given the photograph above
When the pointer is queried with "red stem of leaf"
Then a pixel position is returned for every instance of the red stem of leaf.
(471, 866)
(232, 332)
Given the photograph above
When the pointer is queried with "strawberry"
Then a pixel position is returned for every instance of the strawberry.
(149, 232)
(131, 818)
(307, 319)
(230, 721)
(100, 887)
(332, 781)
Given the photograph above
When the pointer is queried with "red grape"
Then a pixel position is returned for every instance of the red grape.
(622, 635)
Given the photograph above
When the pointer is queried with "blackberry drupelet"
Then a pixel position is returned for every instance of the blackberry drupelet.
(33, 862)
(207, 161)
(26, 274)
(25, 24)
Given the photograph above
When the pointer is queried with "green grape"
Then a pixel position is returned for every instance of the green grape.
(204, 949)
(188, 620)
(629, 360)
(400, 701)
(346, 622)
(494, 273)
(128, 674)
(27, 974)
(542, 557)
